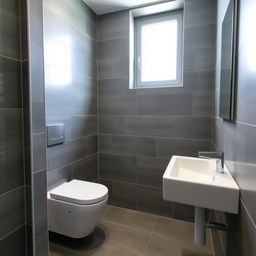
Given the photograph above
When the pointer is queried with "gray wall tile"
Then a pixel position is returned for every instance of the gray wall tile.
(71, 100)
(86, 169)
(121, 194)
(12, 211)
(58, 176)
(117, 167)
(9, 29)
(10, 83)
(14, 244)
(195, 16)
(66, 153)
(141, 129)
(39, 152)
(10, 129)
(164, 104)
(12, 172)
(237, 138)
(40, 213)
(183, 212)
(114, 25)
(149, 171)
(166, 148)
(151, 200)
(149, 126)
(128, 145)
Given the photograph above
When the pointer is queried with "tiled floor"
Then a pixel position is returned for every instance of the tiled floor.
(123, 232)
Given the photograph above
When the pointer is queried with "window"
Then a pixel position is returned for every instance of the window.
(158, 50)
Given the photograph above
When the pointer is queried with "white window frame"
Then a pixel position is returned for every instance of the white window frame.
(138, 23)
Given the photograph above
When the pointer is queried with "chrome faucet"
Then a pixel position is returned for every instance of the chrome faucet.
(219, 155)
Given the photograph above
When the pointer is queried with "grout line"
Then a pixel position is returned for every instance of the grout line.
(151, 235)
(13, 231)
(62, 17)
(158, 116)
(153, 137)
(10, 58)
(12, 190)
(136, 184)
(71, 163)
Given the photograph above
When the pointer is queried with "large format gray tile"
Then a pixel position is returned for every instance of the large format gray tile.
(92, 142)
(58, 176)
(113, 25)
(39, 152)
(199, 12)
(165, 148)
(10, 29)
(183, 212)
(242, 233)
(127, 145)
(115, 97)
(111, 124)
(75, 126)
(38, 113)
(148, 126)
(121, 194)
(12, 211)
(199, 59)
(12, 173)
(40, 213)
(113, 49)
(193, 127)
(149, 171)
(86, 169)
(80, 98)
(117, 167)
(202, 36)
(75, 39)
(28, 202)
(164, 104)
(76, 13)
(113, 68)
(10, 84)
(10, 129)
(66, 153)
(150, 200)
(14, 244)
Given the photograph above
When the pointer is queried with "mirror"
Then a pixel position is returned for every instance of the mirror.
(228, 62)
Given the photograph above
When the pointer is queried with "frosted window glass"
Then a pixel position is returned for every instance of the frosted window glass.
(159, 51)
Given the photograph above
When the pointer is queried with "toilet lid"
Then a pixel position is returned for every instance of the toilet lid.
(80, 192)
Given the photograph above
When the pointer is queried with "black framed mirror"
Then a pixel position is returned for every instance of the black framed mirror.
(228, 62)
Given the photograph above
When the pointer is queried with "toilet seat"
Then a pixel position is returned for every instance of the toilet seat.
(80, 192)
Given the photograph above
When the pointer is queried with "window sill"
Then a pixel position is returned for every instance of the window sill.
(157, 87)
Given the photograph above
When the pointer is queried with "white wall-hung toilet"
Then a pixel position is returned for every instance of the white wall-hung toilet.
(74, 207)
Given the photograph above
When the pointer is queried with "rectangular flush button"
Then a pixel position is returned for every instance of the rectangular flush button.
(55, 134)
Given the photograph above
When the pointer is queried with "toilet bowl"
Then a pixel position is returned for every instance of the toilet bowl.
(74, 207)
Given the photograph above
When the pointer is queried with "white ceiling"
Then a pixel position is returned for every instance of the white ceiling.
(107, 6)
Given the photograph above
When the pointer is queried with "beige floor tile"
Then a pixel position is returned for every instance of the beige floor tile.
(125, 237)
(130, 218)
(180, 232)
(160, 246)
(58, 250)
(110, 251)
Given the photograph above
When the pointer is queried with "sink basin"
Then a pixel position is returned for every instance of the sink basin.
(194, 181)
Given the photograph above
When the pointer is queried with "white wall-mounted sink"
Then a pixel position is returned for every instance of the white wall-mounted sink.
(194, 181)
